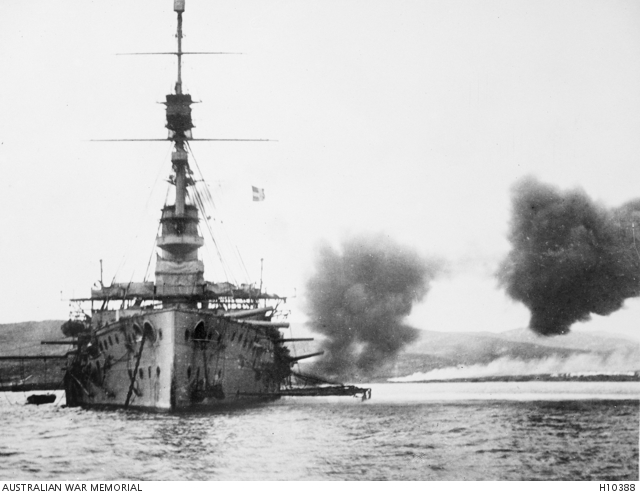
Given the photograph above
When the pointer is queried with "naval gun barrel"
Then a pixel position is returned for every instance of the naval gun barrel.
(294, 359)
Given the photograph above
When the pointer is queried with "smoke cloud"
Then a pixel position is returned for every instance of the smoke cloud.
(570, 256)
(579, 364)
(358, 298)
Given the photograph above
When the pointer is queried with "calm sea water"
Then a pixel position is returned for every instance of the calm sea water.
(458, 431)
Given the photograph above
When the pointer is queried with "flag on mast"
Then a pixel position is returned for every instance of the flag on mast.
(258, 193)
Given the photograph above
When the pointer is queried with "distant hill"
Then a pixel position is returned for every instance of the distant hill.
(482, 348)
(24, 338)
(513, 352)
(588, 341)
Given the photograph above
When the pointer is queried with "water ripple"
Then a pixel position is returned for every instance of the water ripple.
(329, 440)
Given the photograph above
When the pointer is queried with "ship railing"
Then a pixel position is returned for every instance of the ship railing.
(207, 291)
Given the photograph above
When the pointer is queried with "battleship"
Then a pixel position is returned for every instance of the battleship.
(181, 342)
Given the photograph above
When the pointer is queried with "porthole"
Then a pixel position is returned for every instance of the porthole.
(199, 333)
(188, 371)
(158, 371)
(141, 373)
(105, 344)
(149, 332)
(137, 331)
(117, 340)
(149, 371)
(110, 341)
(233, 337)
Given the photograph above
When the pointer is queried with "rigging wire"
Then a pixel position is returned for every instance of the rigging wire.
(244, 267)
(220, 257)
(140, 219)
(235, 253)
(200, 198)
(155, 240)
(153, 247)
(230, 253)
(201, 204)
(206, 198)
(62, 395)
(7, 399)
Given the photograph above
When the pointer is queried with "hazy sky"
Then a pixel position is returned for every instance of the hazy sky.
(410, 118)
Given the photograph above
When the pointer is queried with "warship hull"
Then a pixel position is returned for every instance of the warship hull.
(177, 359)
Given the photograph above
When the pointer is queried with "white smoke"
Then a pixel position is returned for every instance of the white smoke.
(579, 364)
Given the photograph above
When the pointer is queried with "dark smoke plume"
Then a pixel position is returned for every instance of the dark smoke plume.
(570, 256)
(358, 299)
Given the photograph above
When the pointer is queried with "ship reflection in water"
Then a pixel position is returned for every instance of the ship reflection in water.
(417, 431)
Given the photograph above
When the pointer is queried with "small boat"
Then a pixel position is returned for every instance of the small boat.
(38, 399)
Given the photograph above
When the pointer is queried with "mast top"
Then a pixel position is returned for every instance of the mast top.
(178, 6)
(179, 104)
